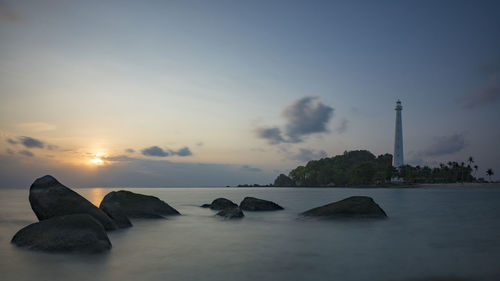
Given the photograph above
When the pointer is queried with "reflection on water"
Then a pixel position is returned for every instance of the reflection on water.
(438, 234)
(96, 195)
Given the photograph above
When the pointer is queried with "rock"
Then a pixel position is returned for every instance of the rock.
(255, 204)
(136, 205)
(116, 213)
(352, 207)
(49, 198)
(231, 213)
(70, 233)
(220, 204)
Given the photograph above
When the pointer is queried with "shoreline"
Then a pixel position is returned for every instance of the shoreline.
(459, 184)
(409, 185)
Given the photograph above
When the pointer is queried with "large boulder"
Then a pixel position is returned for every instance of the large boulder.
(115, 212)
(70, 233)
(231, 213)
(220, 204)
(135, 205)
(352, 207)
(49, 198)
(255, 204)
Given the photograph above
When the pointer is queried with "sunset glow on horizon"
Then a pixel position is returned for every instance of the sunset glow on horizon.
(188, 94)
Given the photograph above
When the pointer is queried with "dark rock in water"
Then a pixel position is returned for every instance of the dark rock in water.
(116, 213)
(49, 198)
(255, 204)
(136, 205)
(231, 213)
(220, 204)
(70, 233)
(352, 207)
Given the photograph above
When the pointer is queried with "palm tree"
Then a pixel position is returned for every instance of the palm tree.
(490, 173)
(462, 171)
(475, 168)
(470, 160)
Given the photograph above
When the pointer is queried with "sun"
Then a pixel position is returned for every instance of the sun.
(97, 160)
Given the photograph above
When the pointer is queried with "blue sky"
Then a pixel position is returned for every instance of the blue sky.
(109, 80)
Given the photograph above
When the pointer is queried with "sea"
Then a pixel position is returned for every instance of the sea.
(448, 233)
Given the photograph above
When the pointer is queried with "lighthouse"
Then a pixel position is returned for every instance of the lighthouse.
(398, 138)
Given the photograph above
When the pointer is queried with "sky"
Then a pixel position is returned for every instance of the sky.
(215, 93)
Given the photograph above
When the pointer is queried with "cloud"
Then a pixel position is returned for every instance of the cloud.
(489, 94)
(129, 150)
(250, 168)
(31, 142)
(490, 68)
(303, 117)
(138, 172)
(26, 153)
(305, 155)
(182, 152)
(118, 158)
(155, 151)
(445, 145)
(159, 152)
(8, 14)
(272, 135)
(342, 127)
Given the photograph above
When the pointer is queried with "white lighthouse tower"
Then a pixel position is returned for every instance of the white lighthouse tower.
(398, 138)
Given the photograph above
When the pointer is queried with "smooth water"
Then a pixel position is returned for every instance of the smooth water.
(431, 234)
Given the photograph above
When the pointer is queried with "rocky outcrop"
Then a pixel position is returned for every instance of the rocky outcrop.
(49, 199)
(116, 213)
(135, 205)
(352, 207)
(255, 204)
(220, 204)
(231, 213)
(70, 233)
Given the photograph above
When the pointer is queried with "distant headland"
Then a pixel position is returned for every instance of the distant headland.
(361, 168)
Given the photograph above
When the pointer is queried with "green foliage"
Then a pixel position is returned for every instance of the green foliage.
(361, 167)
(353, 167)
(449, 173)
(489, 173)
(283, 181)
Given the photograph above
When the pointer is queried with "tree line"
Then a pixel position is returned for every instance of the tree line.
(361, 167)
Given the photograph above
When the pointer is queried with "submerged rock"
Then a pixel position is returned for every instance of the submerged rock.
(231, 213)
(255, 204)
(135, 205)
(116, 213)
(351, 207)
(49, 198)
(220, 204)
(70, 233)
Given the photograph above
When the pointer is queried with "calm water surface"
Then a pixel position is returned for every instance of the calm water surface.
(431, 234)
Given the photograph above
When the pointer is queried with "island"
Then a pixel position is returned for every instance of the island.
(363, 168)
